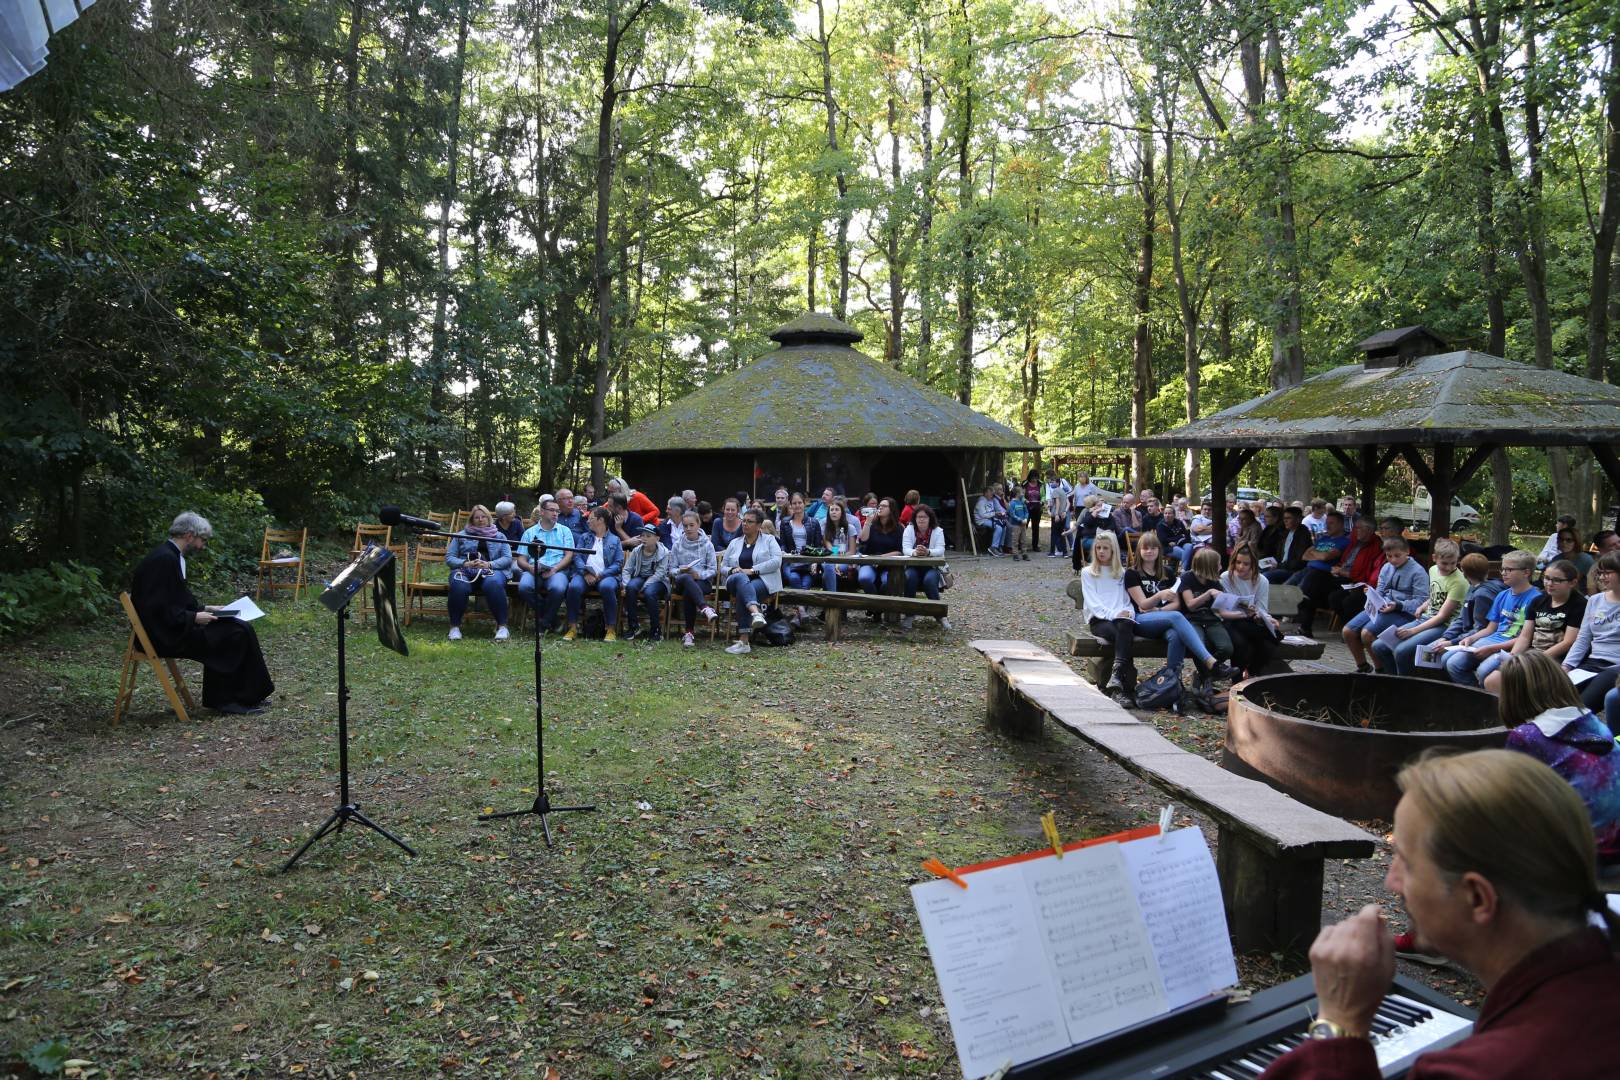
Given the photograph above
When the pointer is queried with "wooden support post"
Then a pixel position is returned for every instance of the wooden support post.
(1273, 904)
(1218, 471)
(1607, 460)
(1440, 493)
(832, 620)
(1006, 712)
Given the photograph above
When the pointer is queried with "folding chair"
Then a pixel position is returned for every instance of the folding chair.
(430, 551)
(459, 519)
(139, 651)
(268, 567)
(383, 536)
(443, 519)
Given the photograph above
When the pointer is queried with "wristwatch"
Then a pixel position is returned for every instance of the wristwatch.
(1325, 1029)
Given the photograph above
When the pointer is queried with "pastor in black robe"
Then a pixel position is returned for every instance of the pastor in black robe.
(234, 672)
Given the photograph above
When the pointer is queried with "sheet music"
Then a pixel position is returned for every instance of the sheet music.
(992, 970)
(1093, 933)
(246, 610)
(1180, 896)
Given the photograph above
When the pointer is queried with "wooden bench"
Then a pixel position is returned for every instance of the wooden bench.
(834, 604)
(1099, 654)
(1270, 848)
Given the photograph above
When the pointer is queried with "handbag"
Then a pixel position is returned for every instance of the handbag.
(947, 577)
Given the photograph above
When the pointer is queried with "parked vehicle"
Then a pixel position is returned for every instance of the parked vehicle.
(1417, 511)
(1112, 487)
(1245, 494)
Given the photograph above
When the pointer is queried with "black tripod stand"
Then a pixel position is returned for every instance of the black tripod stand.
(542, 802)
(346, 811)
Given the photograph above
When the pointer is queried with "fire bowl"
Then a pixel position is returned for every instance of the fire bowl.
(1336, 741)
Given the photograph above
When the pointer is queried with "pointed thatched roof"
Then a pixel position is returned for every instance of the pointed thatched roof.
(1463, 398)
(814, 392)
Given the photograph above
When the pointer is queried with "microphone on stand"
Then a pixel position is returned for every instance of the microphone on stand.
(391, 515)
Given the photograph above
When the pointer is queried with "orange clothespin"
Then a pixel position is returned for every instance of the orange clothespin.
(939, 869)
(1049, 827)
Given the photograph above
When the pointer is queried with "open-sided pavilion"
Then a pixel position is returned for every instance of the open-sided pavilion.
(1443, 413)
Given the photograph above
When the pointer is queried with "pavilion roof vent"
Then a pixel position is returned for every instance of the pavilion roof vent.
(814, 328)
(1401, 346)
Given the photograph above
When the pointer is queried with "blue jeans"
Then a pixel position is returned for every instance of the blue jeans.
(829, 576)
(1611, 708)
(643, 591)
(928, 578)
(693, 592)
(554, 588)
(493, 588)
(744, 591)
(871, 577)
(1402, 660)
(607, 588)
(798, 575)
(998, 533)
(1462, 666)
(1181, 553)
(1181, 637)
(1377, 624)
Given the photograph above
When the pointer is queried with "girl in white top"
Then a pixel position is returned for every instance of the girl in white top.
(1110, 612)
(923, 539)
(1252, 629)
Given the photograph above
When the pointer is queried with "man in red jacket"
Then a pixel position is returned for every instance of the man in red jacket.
(1494, 862)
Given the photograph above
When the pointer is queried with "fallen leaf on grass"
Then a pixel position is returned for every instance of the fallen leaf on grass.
(118, 918)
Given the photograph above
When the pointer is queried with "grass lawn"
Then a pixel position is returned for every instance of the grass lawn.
(738, 904)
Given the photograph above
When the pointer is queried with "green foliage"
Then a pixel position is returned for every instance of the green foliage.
(47, 1057)
(63, 592)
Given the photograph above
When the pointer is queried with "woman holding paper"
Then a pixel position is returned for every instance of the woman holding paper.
(1597, 646)
(1199, 590)
(1110, 613)
(1152, 590)
(1249, 623)
(1401, 589)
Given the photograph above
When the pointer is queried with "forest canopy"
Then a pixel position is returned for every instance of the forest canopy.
(290, 258)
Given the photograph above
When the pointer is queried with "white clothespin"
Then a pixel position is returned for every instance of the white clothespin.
(1164, 819)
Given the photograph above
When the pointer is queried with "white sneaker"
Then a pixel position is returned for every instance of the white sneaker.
(738, 648)
(906, 622)
(710, 614)
(455, 633)
(688, 640)
(944, 623)
(501, 634)
(759, 619)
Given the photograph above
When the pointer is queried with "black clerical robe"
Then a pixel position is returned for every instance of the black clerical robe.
(233, 665)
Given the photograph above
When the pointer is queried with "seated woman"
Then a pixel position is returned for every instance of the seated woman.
(1403, 584)
(1547, 720)
(1448, 589)
(922, 539)
(1110, 614)
(752, 567)
(795, 532)
(1095, 516)
(1174, 536)
(881, 534)
(1597, 646)
(1152, 590)
(691, 572)
(479, 559)
(1197, 591)
(990, 518)
(646, 583)
(728, 526)
(597, 573)
(1246, 530)
(1571, 548)
(635, 501)
(1253, 631)
(1551, 626)
(839, 537)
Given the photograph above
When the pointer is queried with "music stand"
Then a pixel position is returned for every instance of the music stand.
(351, 580)
(542, 801)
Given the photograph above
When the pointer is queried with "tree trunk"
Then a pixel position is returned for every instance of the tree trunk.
(925, 229)
(1189, 311)
(1142, 339)
(964, 281)
(1287, 344)
(897, 285)
(841, 241)
(601, 274)
(438, 370)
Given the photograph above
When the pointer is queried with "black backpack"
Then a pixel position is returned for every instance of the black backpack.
(777, 632)
(1161, 690)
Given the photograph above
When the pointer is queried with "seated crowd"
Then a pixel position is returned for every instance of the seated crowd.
(625, 551)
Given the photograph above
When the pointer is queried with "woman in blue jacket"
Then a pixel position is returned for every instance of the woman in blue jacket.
(597, 572)
(479, 559)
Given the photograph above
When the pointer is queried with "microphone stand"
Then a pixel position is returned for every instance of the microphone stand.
(542, 805)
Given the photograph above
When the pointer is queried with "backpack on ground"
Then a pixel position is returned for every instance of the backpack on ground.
(1161, 690)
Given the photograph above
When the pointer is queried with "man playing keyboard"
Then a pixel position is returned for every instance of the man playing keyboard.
(1494, 863)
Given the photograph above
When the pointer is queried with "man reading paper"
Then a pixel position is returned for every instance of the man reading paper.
(235, 679)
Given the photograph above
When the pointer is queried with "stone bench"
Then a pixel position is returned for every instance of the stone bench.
(834, 604)
(1099, 654)
(1270, 848)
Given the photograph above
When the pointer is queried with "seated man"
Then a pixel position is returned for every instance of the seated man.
(544, 562)
(1495, 864)
(235, 679)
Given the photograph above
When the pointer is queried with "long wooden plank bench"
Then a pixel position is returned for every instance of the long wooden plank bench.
(834, 604)
(1099, 654)
(1270, 848)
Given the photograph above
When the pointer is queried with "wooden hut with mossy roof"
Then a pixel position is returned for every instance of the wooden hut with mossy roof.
(812, 413)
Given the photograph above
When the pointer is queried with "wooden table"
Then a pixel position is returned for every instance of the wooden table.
(896, 583)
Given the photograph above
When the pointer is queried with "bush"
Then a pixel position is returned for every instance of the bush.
(62, 592)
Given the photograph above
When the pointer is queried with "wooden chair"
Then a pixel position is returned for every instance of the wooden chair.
(430, 552)
(443, 519)
(459, 519)
(382, 535)
(268, 567)
(140, 651)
